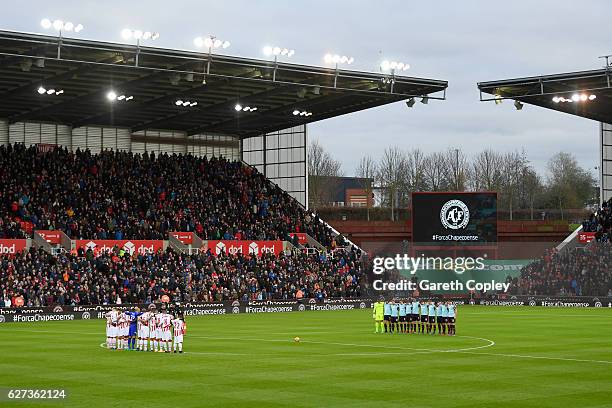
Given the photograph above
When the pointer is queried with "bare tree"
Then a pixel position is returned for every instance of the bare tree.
(532, 188)
(456, 169)
(513, 169)
(415, 170)
(391, 172)
(487, 171)
(367, 170)
(322, 171)
(433, 172)
(569, 185)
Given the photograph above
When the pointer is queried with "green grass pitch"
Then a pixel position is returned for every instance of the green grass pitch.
(509, 357)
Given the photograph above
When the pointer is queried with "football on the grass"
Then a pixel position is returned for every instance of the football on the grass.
(296, 339)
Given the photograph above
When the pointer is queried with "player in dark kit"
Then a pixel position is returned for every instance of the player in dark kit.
(387, 316)
(402, 317)
(450, 317)
(424, 317)
(394, 316)
(414, 321)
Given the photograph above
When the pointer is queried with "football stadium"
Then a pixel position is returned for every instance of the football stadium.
(177, 228)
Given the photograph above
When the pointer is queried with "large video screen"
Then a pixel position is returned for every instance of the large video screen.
(452, 218)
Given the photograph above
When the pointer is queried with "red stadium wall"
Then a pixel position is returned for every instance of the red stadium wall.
(517, 239)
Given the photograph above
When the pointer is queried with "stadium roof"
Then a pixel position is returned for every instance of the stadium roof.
(541, 90)
(87, 70)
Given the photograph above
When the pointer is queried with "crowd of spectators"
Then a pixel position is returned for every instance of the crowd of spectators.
(117, 277)
(577, 272)
(123, 195)
(600, 222)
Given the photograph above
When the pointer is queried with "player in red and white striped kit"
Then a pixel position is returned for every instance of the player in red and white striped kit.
(143, 331)
(164, 321)
(179, 330)
(112, 318)
(123, 327)
(153, 331)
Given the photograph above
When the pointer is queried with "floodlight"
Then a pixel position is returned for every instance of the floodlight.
(41, 90)
(296, 112)
(78, 28)
(238, 107)
(392, 66)
(267, 50)
(592, 97)
(58, 24)
(111, 96)
(575, 97)
(46, 23)
(50, 91)
(126, 33)
(68, 26)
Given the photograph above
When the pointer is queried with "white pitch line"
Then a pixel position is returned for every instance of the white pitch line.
(490, 343)
(510, 314)
(580, 360)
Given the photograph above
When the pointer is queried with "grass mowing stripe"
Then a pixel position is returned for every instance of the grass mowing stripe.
(541, 358)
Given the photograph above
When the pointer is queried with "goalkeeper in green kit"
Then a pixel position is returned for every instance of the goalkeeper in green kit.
(379, 314)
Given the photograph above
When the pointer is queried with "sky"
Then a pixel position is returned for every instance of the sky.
(463, 42)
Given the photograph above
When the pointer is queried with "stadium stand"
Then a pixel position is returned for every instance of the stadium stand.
(579, 272)
(122, 195)
(600, 222)
(67, 279)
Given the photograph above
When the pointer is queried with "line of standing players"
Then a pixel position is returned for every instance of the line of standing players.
(414, 316)
(152, 330)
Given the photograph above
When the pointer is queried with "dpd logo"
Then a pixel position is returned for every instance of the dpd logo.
(235, 310)
(220, 248)
(454, 215)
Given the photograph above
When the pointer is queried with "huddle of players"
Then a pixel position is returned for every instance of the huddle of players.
(145, 331)
(413, 316)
